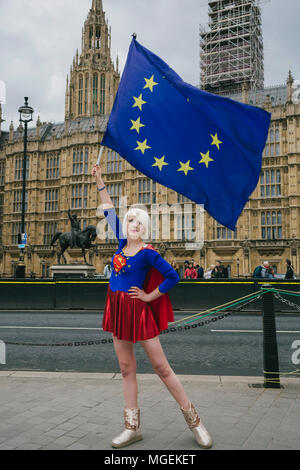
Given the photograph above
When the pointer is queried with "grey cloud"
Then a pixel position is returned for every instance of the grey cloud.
(38, 39)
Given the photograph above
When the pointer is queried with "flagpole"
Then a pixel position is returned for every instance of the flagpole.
(99, 156)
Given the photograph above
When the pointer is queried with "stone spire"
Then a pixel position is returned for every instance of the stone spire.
(11, 132)
(97, 5)
(289, 84)
(93, 77)
(1, 120)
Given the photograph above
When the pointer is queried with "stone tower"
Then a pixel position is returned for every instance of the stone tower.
(93, 80)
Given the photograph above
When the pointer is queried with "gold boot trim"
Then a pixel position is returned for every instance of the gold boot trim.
(132, 431)
(195, 424)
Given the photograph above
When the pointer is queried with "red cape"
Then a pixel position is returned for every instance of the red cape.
(161, 307)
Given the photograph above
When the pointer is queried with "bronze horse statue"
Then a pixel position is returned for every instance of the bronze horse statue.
(75, 239)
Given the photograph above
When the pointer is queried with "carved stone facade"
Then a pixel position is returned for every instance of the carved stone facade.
(60, 159)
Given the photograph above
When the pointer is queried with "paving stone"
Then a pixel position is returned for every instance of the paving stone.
(52, 411)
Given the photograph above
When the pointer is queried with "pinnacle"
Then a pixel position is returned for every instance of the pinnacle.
(97, 5)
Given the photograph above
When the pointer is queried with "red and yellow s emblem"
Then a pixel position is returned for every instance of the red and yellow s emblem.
(119, 262)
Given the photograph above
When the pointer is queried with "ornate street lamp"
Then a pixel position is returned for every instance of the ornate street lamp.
(238, 267)
(26, 113)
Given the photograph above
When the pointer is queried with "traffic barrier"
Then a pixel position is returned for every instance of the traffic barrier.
(90, 294)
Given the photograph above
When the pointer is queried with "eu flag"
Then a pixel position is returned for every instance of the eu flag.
(206, 147)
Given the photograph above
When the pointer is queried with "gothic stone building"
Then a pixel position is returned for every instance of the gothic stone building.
(60, 160)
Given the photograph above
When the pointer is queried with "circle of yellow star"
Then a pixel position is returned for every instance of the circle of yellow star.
(150, 83)
(205, 158)
(160, 162)
(216, 141)
(142, 146)
(139, 102)
(136, 125)
(185, 167)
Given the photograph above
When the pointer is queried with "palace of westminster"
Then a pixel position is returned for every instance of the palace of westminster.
(60, 159)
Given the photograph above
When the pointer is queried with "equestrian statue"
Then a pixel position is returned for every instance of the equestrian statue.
(77, 238)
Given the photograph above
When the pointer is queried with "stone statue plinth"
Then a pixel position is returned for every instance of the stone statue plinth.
(63, 271)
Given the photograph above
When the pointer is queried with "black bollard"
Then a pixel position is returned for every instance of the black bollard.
(271, 366)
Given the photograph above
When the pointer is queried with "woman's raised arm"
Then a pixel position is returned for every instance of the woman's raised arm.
(105, 197)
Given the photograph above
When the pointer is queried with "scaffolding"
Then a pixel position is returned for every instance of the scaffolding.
(231, 47)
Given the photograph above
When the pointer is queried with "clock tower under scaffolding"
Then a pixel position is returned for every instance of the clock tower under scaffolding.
(231, 54)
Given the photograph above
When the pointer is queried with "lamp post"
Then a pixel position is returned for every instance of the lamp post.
(238, 267)
(26, 113)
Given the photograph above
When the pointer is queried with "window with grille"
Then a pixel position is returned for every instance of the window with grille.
(80, 94)
(50, 228)
(181, 198)
(102, 94)
(224, 233)
(17, 202)
(51, 200)
(271, 225)
(79, 196)
(16, 229)
(52, 170)
(80, 161)
(185, 225)
(19, 168)
(270, 183)
(113, 162)
(95, 93)
(147, 191)
(86, 89)
(115, 192)
(272, 147)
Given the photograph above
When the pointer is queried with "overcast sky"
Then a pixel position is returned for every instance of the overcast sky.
(38, 39)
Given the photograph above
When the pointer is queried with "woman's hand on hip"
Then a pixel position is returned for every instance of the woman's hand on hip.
(137, 293)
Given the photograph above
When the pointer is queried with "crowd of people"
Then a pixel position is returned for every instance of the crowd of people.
(267, 271)
(194, 271)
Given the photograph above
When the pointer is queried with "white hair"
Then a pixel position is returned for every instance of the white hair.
(142, 216)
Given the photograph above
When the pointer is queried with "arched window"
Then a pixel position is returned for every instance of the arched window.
(86, 91)
(102, 94)
(98, 40)
(80, 93)
(95, 93)
(90, 38)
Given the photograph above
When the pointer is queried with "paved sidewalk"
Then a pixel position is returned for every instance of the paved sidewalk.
(76, 411)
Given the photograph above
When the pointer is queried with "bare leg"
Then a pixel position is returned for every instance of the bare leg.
(163, 369)
(125, 354)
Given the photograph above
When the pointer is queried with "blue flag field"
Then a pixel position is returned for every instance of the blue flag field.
(204, 146)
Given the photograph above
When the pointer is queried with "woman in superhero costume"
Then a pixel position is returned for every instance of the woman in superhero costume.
(138, 308)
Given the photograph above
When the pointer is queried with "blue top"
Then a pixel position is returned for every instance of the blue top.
(129, 271)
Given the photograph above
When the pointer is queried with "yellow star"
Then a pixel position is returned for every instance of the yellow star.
(142, 146)
(185, 167)
(136, 125)
(205, 158)
(150, 83)
(160, 162)
(216, 141)
(139, 102)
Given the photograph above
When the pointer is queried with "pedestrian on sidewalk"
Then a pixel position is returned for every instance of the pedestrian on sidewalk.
(138, 308)
(289, 270)
(107, 271)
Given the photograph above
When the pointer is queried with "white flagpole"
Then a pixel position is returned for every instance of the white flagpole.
(99, 156)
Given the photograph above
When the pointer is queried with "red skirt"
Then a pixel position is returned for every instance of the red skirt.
(128, 318)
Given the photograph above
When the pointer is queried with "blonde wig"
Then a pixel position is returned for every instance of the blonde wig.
(142, 216)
